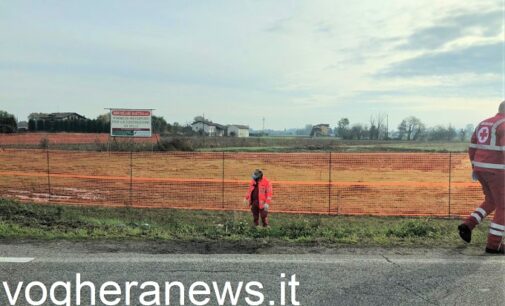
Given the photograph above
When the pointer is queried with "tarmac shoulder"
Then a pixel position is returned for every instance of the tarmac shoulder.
(257, 247)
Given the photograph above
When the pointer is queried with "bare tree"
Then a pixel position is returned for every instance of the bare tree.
(105, 118)
(462, 135)
(378, 127)
(382, 126)
(411, 128)
(358, 131)
(342, 129)
(374, 131)
(469, 128)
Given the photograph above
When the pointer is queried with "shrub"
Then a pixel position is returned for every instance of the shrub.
(298, 230)
(240, 227)
(413, 228)
(174, 144)
(100, 147)
(44, 143)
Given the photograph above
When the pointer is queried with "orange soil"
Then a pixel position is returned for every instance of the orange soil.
(62, 138)
(361, 183)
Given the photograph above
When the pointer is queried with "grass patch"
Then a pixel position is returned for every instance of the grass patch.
(46, 222)
(245, 149)
(319, 145)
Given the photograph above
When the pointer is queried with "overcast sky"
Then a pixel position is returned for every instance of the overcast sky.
(292, 62)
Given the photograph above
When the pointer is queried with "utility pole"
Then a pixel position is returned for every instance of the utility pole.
(203, 129)
(263, 132)
(387, 126)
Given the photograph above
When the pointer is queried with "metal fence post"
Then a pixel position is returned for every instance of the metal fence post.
(48, 173)
(450, 182)
(131, 177)
(222, 183)
(329, 185)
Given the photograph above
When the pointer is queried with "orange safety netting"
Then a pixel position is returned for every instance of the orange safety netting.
(397, 184)
(66, 138)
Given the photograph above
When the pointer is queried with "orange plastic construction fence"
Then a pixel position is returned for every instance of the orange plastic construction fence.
(394, 184)
(66, 138)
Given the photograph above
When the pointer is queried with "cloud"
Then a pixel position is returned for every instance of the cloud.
(323, 28)
(481, 59)
(486, 24)
(279, 26)
(299, 61)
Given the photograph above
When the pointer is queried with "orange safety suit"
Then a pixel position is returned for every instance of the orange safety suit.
(259, 194)
(487, 154)
(264, 192)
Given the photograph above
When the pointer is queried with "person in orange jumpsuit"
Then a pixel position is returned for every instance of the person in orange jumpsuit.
(259, 197)
(487, 153)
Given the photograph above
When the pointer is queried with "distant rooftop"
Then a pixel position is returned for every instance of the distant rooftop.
(208, 122)
(22, 125)
(240, 126)
(54, 116)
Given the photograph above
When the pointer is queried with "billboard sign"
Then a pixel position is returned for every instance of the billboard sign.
(130, 122)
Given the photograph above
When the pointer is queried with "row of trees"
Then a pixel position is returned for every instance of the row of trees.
(8, 123)
(99, 125)
(81, 126)
(377, 130)
(409, 129)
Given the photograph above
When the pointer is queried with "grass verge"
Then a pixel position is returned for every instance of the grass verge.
(48, 222)
(365, 147)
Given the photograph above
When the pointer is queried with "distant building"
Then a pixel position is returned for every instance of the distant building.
(56, 116)
(202, 125)
(22, 126)
(320, 130)
(236, 130)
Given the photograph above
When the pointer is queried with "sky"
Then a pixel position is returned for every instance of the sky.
(237, 62)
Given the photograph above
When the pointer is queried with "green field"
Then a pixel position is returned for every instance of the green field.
(46, 222)
(100, 142)
(352, 147)
(296, 144)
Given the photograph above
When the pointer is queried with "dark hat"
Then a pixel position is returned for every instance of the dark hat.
(258, 173)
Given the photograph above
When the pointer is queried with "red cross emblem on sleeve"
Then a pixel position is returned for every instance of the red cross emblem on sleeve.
(483, 134)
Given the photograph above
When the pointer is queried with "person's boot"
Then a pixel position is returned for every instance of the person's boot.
(465, 232)
(494, 244)
(495, 251)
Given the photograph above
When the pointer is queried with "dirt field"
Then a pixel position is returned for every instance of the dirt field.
(360, 183)
(90, 141)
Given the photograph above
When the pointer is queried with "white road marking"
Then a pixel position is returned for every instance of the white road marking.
(15, 259)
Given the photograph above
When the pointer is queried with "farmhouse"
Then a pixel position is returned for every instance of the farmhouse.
(237, 130)
(56, 116)
(320, 130)
(207, 127)
(22, 126)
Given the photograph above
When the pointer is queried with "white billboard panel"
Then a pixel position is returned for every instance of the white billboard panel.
(130, 123)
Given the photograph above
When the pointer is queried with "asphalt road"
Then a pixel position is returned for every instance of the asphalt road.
(371, 277)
